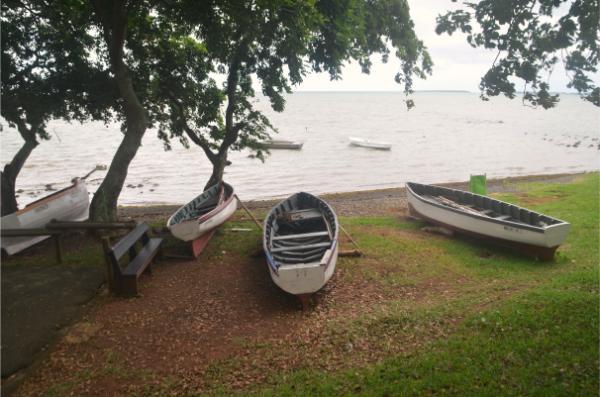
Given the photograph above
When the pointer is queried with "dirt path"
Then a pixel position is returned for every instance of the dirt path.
(198, 317)
(37, 301)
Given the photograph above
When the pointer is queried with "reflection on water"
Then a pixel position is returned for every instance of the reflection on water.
(445, 138)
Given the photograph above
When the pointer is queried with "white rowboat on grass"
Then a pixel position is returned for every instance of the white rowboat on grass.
(481, 216)
(300, 241)
(203, 215)
(69, 204)
(367, 143)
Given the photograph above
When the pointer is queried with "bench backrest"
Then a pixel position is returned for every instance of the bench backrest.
(128, 242)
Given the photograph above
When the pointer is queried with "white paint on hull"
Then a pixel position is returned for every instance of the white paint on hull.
(306, 278)
(370, 144)
(194, 228)
(73, 204)
(550, 236)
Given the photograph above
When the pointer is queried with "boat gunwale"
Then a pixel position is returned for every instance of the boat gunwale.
(273, 264)
(519, 225)
(205, 216)
(45, 199)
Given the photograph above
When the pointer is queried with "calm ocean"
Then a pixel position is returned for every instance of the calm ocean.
(445, 138)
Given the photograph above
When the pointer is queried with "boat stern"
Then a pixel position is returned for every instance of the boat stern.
(306, 278)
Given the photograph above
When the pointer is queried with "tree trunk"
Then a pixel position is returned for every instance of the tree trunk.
(218, 170)
(8, 176)
(114, 22)
(104, 204)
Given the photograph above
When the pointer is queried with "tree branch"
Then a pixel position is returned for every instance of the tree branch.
(196, 138)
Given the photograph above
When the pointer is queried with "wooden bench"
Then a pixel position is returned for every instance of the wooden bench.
(141, 250)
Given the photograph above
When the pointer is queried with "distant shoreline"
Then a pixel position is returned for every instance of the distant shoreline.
(378, 202)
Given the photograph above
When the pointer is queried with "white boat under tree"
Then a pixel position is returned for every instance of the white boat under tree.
(69, 204)
(196, 221)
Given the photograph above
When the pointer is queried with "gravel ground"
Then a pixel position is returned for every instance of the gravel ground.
(379, 202)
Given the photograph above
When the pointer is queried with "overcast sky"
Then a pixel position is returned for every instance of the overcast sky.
(457, 66)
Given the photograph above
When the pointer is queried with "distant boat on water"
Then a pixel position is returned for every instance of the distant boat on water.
(282, 144)
(69, 204)
(361, 142)
(481, 216)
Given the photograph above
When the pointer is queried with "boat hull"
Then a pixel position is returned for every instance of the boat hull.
(70, 204)
(370, 144)
(285, 145)
(302, 277)
(192, 229)
(539, 242)
(305, 278)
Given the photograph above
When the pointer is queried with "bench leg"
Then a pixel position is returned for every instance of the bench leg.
(128, 286)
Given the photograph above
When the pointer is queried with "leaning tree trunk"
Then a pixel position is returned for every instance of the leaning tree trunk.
(219, 165)
(104, 204)
(8, 176)
(114, 21)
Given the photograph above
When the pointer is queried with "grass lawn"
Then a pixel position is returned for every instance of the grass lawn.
(420, 314)
(541, 339)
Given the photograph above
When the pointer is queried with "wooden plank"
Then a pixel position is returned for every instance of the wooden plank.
(129, 240)
(260, 226)
(300, 235)
(58, 248)
(300, 247)
(143, 258)
(60, 225)
(28, 232)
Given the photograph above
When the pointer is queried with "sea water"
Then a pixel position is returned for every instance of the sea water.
(445, 138)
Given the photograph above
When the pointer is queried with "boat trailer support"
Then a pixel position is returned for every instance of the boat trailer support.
(198, 245)
(249, 213)
(356, 252)
(304, 300)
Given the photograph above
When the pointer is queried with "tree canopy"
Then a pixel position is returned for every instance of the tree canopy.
(530, 37)
(278, 42)
(45, 76)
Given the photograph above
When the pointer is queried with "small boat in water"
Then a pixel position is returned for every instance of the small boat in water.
(282, 144)
(480, 216)
(301, 244)
(69, 204)
(197, 220)
(370, 144)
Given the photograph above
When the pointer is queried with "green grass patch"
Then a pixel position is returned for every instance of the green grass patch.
(526, 327)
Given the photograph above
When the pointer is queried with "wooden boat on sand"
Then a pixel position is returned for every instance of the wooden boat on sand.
(361, 142)
(480, 216)
(301, 244)
(69, 204)
(282, 144)
(197, 220)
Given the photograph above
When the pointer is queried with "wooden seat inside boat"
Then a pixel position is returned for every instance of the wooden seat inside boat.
(302, 236)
